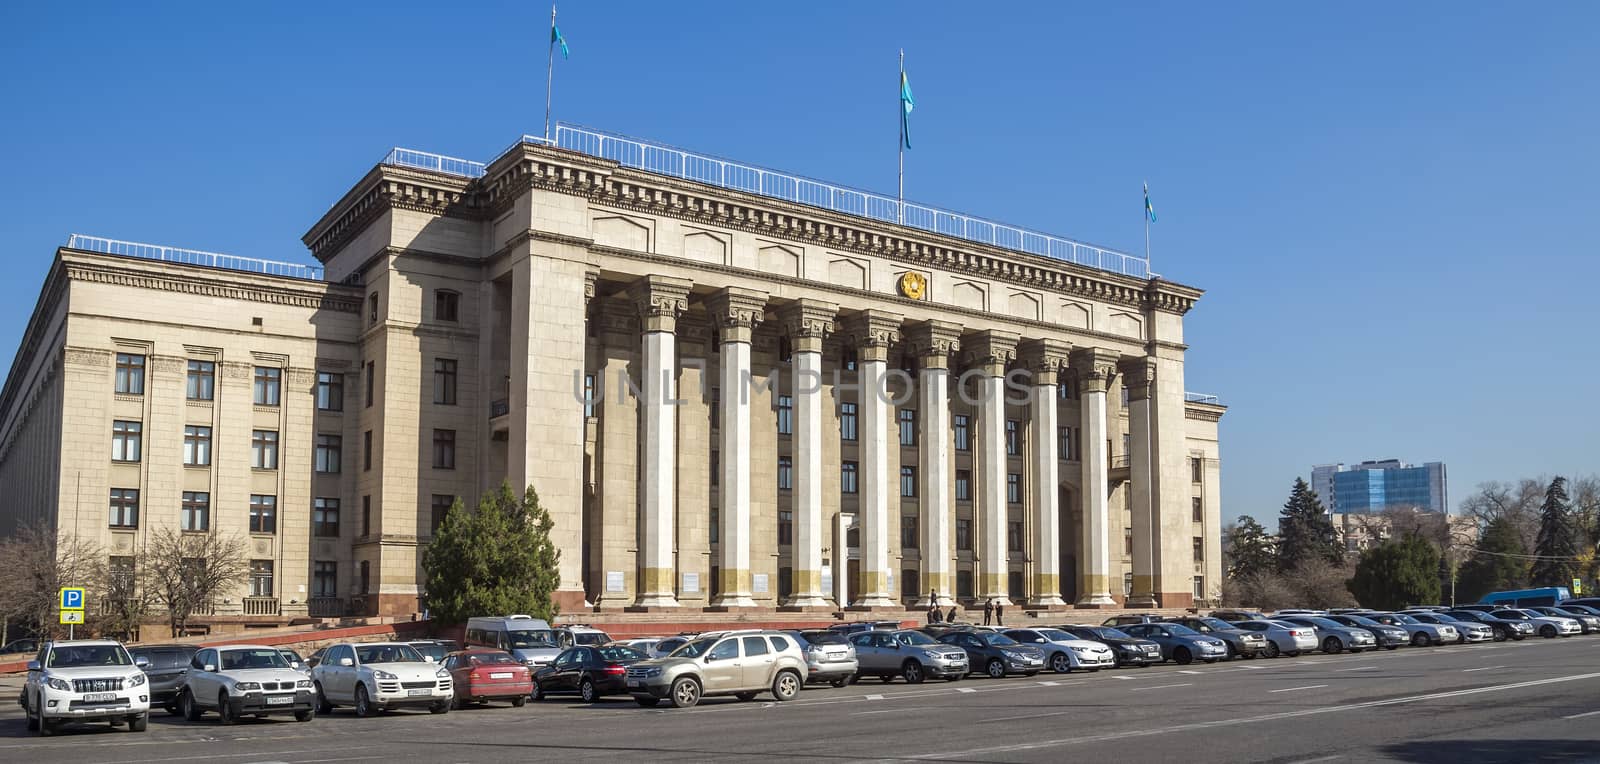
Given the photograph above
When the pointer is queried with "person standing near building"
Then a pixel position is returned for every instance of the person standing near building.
(988, 611)
(999, 614)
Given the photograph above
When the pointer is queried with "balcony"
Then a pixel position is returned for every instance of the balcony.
(499, 408)
(1121, 469)
(325, 607)
(261, 606)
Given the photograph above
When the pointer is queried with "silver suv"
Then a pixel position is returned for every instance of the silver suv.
(907, 653)
(738, 663)
(245, 680)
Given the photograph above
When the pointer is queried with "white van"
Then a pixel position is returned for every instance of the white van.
(530, 639)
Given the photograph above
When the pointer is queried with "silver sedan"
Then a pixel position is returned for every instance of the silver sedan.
(1282, 638)
(1422, 634)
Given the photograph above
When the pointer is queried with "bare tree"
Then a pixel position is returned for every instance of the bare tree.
(1320, 584)
(129, 598)
(37, 564)
(1517, 504)
(186, 572)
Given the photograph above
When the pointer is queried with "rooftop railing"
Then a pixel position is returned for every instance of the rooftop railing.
(1202, 398)
(194, 257)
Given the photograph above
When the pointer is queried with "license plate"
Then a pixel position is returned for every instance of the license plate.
(419, 693)
(99, 697)
(279, 700)
(500, 675)
(635, 682)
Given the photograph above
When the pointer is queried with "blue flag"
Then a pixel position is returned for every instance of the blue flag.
(1149, 210)
(907, 103)
(556, 38)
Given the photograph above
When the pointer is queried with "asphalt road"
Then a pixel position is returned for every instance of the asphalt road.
(1537, 700)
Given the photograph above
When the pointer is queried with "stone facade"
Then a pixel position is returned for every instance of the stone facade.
(774, 419)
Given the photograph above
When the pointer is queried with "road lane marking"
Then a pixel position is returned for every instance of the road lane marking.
(873, 697)
(1485, 668)
(889, 711)
(1580, 716)
(1293, 689)
(1163, 686)
(1188, 672)
(1029, 716)
(1314, 761)
(1358, 668)
(965, 689)
(1049, 684)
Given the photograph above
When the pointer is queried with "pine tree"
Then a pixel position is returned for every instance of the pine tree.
(496, 560)
(1557, 547)
(1248, 548)
(1305, 531)
(1397, 573)
(1499, 562)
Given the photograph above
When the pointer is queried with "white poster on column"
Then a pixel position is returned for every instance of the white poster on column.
(758, 582)
(691, 583)
(827, 580)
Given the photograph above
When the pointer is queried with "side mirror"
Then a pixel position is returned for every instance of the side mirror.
(33, 665)
(211, 667)
(346, 662)
(430, 659)
(294, 664)
(141, 662)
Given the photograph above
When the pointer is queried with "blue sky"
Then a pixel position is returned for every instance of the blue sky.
(1390, 205)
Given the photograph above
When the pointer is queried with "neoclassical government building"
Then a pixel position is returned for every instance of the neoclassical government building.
(731, 388)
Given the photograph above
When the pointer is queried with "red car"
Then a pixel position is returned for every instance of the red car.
(481, 674)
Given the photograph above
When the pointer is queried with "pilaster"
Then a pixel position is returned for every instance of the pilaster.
(1096, 368)
(735, 313)
(989, 352)
(659, 300)
(934, 342)
(1138, 374)
(807, 324)
(1045, 358)
(873, 334)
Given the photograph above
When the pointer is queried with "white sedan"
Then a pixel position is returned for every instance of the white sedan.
(1547, 626)
(1064, 652)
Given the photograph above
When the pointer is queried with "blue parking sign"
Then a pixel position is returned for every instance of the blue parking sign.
(72, 598)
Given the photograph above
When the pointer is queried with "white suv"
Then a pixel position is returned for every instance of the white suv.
(380, 675)
(245, 680)
(85, 680)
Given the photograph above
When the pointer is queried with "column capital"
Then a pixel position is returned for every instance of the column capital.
(992, 349)
(1045, 357)
(1096, 367)
(1138, 372)
(934, 342)
(591, 280)
(807, 323)
(873, 332)
(735, 311)
(660, 300)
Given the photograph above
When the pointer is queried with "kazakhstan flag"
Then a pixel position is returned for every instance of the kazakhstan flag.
(907, 103)
(1149, 210)
(556, 38)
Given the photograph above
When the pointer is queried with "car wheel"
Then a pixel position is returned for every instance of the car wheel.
(587, 692)
(47, 727)
(786, 686)
(139, 723)
(1391, 647)
(364, 707)
(1060, 663)
(841, 681)
(304, 716)
(647, 702)
(1332, 645)
(538, 691)
(1272, 650)
(519, 701)
(324, 706)
(1461, 637)
(912, 671)
(1183, 656)
(441, 707)
(224, 711)
(27, 710)
(1547, 631)
(191, 710)
(995, 669)
(1293, 653)
(1419, 640)
(685, 693)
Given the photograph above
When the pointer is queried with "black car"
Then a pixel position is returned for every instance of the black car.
(857, 626)
(1235, 616)
(590, 672)
(29, 646)
(1389, 637)
(168, 670)
(1130, 651)
(1503, 628)
(993, 653)
(1241, 643)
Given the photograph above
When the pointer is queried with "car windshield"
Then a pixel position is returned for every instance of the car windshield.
(387, 654)
(1106, 632)
(915, 638)
(432, 650)
(1466, 615)
(87, 655)
(1515, 614)
(1403, 618)
(620, 653)
(996, 640)
(264, 658)
(1179, 630)
(1323, 622)
(291, 656)
(1216, 623)
(824, 638)
(590, 638)
(695, 648)
(493, 659)
(1056, 635)
(526, 639)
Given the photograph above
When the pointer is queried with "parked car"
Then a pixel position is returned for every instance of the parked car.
(909, 654)
(576, 634)
(1589, 623)
(645, 645)
(1297, 612)
(167, 667)
(1521, 598)
(993, 653)
(1581, 608)
(1241, 643)
(1180, 643)
(295, 661)
(482, 675)
(830, 658)
(1128, 619)
(742, 664)
(855, 626)
(28, 646)
(1593, 602)
(1283, 638)
(1422, 634)
(377, 676)
(1064, 652)
(1235, 616)
(530, 639)
(1129, 651)
(1547, 626)
(590, 672)
(1386, 636)
(1335, 637)
(85, 681)
(245, 680)
(666, 646)
(1466, 631)
(433, 649)
(1501, 628)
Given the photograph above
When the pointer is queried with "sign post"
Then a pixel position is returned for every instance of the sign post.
(1577, 586)
(71, 607)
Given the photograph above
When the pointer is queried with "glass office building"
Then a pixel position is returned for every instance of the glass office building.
(1373, 486)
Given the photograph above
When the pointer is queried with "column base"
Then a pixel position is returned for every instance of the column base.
(1141, 601)
(1055, 607)
(810, 601)
(829, 608)
(1045, 601)
(732, 600)
(1097, 601)
(654, 601)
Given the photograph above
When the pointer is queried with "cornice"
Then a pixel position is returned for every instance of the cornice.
(1204, 412)
(314, 295)
(388, 187)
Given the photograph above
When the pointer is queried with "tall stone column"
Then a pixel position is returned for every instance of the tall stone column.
(808, 323)
(1095, 368)
(735, 313)
(934, 342)
(988, 352)
(1045, 357)
(660, 300)
(1137, 375)
(873, 332)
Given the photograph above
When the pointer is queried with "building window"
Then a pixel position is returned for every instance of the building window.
(847, 477)
(785, 415)
(130, 374)
(444, 381)
(121, 575)
(201, 384)
(372, 308)
(848, 359)
(366, 515)
(588, 396)
(329, 452)
(964, 584)
(125, 440)
(1127, 584)
(196, 445)
(1014, 487)
(261, 578)
(785, 528)
(369, 381)
(785, 582)
(366, 576)
(785, 473)
(325, 518)
(716, 469)
(446, 305)
(1064, 444)
(908, 427)
(1197, 468)
(264, 449)
(325, 579)
(263, 514)
(1197, 509)
(1199, 587)
(439, 511)
(366, 450)
(963, 485)
(908, 482)
(444, 449)
(908, 532)
(1013, 438)
(268, 386)
(1127, 541)
(715, 536)
(1067, 388)
(963, 534)
(847, 421)
(196, 514)
(330, 391)
(1014, 585)
(1199, 549)
(785, 350)
(124, 507)
(963, 427)
(1014, 536)
(910, 584)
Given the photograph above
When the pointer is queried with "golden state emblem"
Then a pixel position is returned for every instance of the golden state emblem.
(913, 285)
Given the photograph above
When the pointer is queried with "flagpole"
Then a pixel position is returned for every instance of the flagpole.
(550, 72)
(1145, 213)
(900, 194)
